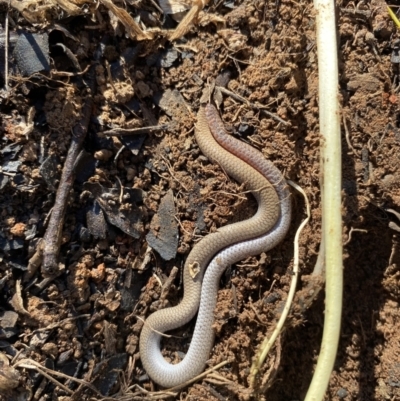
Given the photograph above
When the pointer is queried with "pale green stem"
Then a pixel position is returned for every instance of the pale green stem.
(330, 194)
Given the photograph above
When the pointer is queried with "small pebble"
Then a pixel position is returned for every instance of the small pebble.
(388, 180)
(143, 89)
(274, 296)
(18, 229)
(50, 349)
(103, 154)
(139, 75)
(102, 245)
(131, 173)
(188, 143)
(181, 354)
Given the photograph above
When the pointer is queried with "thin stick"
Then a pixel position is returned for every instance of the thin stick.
(6, 48)
(252, 105)
(58, 324)
(269, 342)
(133, 131)
(31, 364)
(200, 376)
(53, 234)
(47, 376)
(170, 391)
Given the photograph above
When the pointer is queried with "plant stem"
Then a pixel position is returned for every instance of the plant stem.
(269, 342)
(330, 194)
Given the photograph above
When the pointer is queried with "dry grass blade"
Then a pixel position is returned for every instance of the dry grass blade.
(48, 373)
(30, 10)
(163, 394)
(269, 342)
(69, 7)
(186, 23)
(132, 27)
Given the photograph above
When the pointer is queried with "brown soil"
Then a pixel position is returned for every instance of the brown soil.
(93, 310)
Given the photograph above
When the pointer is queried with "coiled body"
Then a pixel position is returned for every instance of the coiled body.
(234, 242)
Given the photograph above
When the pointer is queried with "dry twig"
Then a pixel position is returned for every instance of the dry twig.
(53, 235)
(133, 131)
